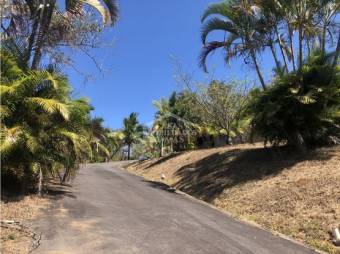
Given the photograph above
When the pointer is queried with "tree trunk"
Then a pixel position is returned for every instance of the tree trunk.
(40, 181)
(259, 74)
(46, 20)
(337, 52)
(282, 51)
(65, 176)
(297, 140)
(129, 150)
(59, 176)
(323, 39)
(277, 62)
(31, 38)
(290, 33)
(161, 150)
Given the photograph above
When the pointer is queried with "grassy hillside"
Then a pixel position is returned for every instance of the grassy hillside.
(295, 195)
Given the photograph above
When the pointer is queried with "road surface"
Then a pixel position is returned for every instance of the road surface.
(111, 211)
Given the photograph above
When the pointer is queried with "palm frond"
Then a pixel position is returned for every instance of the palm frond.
(102, 148)
(221, 8)
(9, 138)
(4, 111)
(206, 50)
(50, 106)
(214, 24)
(113, 9)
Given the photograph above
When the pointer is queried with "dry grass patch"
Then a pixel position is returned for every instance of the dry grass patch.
(23, 210)
(295, 195)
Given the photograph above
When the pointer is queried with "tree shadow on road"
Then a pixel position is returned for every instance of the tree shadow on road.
(59, 191)
(207, 178)
(160, 186)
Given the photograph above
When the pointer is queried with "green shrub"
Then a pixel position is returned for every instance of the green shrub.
(301, 109)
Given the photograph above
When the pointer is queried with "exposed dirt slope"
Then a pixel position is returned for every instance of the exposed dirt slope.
(23, 210)
(295, 195)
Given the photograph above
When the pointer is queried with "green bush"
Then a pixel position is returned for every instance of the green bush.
(301, 109)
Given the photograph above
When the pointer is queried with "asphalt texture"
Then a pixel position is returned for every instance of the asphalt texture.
(108, 210)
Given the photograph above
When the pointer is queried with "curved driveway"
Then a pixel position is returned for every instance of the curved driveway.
(111, 211)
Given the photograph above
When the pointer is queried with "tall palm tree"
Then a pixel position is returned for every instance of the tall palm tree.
(132, 130)
(98, 138)
(36, 17)
(237, 20)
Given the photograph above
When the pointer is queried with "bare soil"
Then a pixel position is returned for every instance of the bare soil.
(296, 195)
(21, 209)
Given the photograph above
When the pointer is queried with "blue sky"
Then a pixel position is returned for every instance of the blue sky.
(138, 65)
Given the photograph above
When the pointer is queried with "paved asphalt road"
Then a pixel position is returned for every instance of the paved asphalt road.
(111, 211)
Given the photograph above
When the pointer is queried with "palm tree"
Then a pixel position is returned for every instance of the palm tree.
(238, 21)
(40, 15)
(98, 138)
(41, 125)
(132, 130)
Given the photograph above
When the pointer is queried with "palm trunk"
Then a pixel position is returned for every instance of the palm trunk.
(277, 62)
(299, 142)
(59, 176)
(259, 74)
(31, 38)
(161, 149)
(40, 181)
(282, 51)
(323, 39)
(290, 33)
(65, 176)
(337, 52)
(129, 150)
(46, 19)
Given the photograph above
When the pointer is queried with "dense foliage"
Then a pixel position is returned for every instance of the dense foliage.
(301, 107)
(44, 131)
(288, 29)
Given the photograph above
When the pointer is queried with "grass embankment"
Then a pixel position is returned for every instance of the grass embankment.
(282, 191)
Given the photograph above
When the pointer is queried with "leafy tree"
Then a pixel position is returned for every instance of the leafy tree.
(221, 107)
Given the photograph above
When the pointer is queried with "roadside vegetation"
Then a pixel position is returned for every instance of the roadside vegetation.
(290, 185)
(298, 107)
(45, 132)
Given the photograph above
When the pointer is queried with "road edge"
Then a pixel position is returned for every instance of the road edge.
(247, 222)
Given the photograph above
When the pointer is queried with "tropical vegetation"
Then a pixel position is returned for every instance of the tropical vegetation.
(299, 106)
(45, 132)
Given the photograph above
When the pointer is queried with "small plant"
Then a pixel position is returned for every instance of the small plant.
(12, 236)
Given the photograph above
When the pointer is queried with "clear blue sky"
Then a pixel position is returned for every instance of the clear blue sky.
(138, 64)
